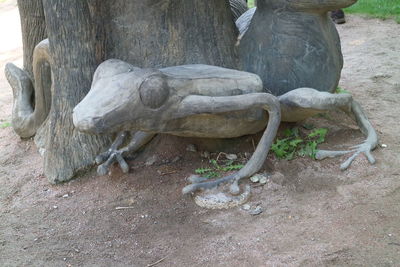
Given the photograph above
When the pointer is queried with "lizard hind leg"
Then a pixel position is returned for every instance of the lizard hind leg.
(243, 102)
(304, 102)
(365, 148)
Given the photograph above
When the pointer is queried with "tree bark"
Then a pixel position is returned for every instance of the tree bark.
(74, 48)
(33, 27)
(150, 33)
(146, 33)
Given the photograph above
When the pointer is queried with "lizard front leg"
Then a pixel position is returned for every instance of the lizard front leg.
(192, 105)
(113, 154)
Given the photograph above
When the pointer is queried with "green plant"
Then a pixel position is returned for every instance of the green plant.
(340, 90)
(217, 169)
(5, 125)
(250, 3)
(295, 145)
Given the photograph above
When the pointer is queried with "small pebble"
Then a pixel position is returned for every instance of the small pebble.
(255, 178)
(176, 159)
(65, 196)
(231, 156)
(205, 154)
(55, 207)
(42, 151)
(246, 207)
(150, 161)
(384, 145)
(263, 180)
(256, 211)
(191, 148)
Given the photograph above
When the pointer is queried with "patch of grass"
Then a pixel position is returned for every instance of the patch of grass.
(383, 9)
(250, 3)
(216, 169)
(294, 144)
(340, 90)
(4, 124)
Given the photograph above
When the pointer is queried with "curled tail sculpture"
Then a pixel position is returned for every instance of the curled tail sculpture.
(31, 102)
(238, 7)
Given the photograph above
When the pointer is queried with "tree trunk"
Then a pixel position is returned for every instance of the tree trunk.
(146, 33)
(33, 27)
(150, 33)
(73, 45)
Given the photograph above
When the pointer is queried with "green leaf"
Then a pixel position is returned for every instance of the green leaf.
(215, 164)
(232, 167)
(320, 133)
(202, 170)
(5, 125)
(293, 145)
(341, 91)
(295, 142)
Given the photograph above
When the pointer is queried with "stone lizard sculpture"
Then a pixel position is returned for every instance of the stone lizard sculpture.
(196, 100)
(200, 101)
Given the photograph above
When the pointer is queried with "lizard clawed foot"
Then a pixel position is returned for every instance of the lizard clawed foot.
(113, 154)
(364, 148)
(203, 183)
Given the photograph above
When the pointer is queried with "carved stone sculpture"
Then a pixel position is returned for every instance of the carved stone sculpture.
(292, 44)
(189, 100)
(292, 47)
(238, 7)
(200, 101)
(27, 118)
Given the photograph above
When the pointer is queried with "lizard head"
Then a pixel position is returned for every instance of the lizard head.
(122, 97)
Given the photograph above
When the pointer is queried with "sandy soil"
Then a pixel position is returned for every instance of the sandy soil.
(313, 215)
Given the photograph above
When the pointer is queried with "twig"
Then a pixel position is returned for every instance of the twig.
(254, 147)
(219, 154)
(124, 208)
(170, 172)
(157, 262)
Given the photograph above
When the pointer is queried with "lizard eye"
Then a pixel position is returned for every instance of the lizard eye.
(154, 91)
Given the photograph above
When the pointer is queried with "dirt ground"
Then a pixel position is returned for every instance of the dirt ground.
(313, 215)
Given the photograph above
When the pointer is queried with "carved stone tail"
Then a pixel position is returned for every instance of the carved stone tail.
(29, 114)
(238, 7)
